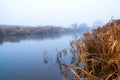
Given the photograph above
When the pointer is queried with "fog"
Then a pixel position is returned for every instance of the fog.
(57, 12)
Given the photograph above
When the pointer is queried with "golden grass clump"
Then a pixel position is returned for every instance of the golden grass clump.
(99, 53)
(103, 47)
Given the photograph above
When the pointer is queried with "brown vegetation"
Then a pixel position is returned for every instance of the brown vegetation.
(23, 30)
(96, 56)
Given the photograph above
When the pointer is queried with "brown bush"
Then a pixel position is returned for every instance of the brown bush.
(99, 51)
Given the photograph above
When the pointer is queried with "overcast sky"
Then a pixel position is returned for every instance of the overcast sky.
(57, 12)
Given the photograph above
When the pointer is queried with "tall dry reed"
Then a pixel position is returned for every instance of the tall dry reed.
(98, 52)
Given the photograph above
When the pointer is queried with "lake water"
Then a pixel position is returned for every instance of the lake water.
(32, 57)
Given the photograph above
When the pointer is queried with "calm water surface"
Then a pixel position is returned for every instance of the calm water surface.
(25, 58)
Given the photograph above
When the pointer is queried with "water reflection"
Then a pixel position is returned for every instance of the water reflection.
(24, 58)
(65, 71)
(1, 41)
(29, 37)
(45, 57)
(64, 57)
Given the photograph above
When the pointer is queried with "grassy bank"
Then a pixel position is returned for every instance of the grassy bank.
(96, 56)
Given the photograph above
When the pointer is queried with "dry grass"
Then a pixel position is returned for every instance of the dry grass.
(99, 53)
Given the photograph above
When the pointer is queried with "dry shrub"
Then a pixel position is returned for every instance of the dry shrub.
(99, 52)
(103, 46)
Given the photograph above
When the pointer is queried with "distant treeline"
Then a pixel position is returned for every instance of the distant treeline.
(6, 30)
(81, 28)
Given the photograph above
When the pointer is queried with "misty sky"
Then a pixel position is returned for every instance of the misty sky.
(57, 12)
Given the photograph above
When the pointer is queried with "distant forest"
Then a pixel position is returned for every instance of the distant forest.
(12, 30)
(23, 30)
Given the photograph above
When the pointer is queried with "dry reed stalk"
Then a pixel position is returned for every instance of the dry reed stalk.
(99, 51)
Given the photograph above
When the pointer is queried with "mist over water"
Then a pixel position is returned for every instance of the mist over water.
(25, 58)
(30, 34)
(57, 13)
